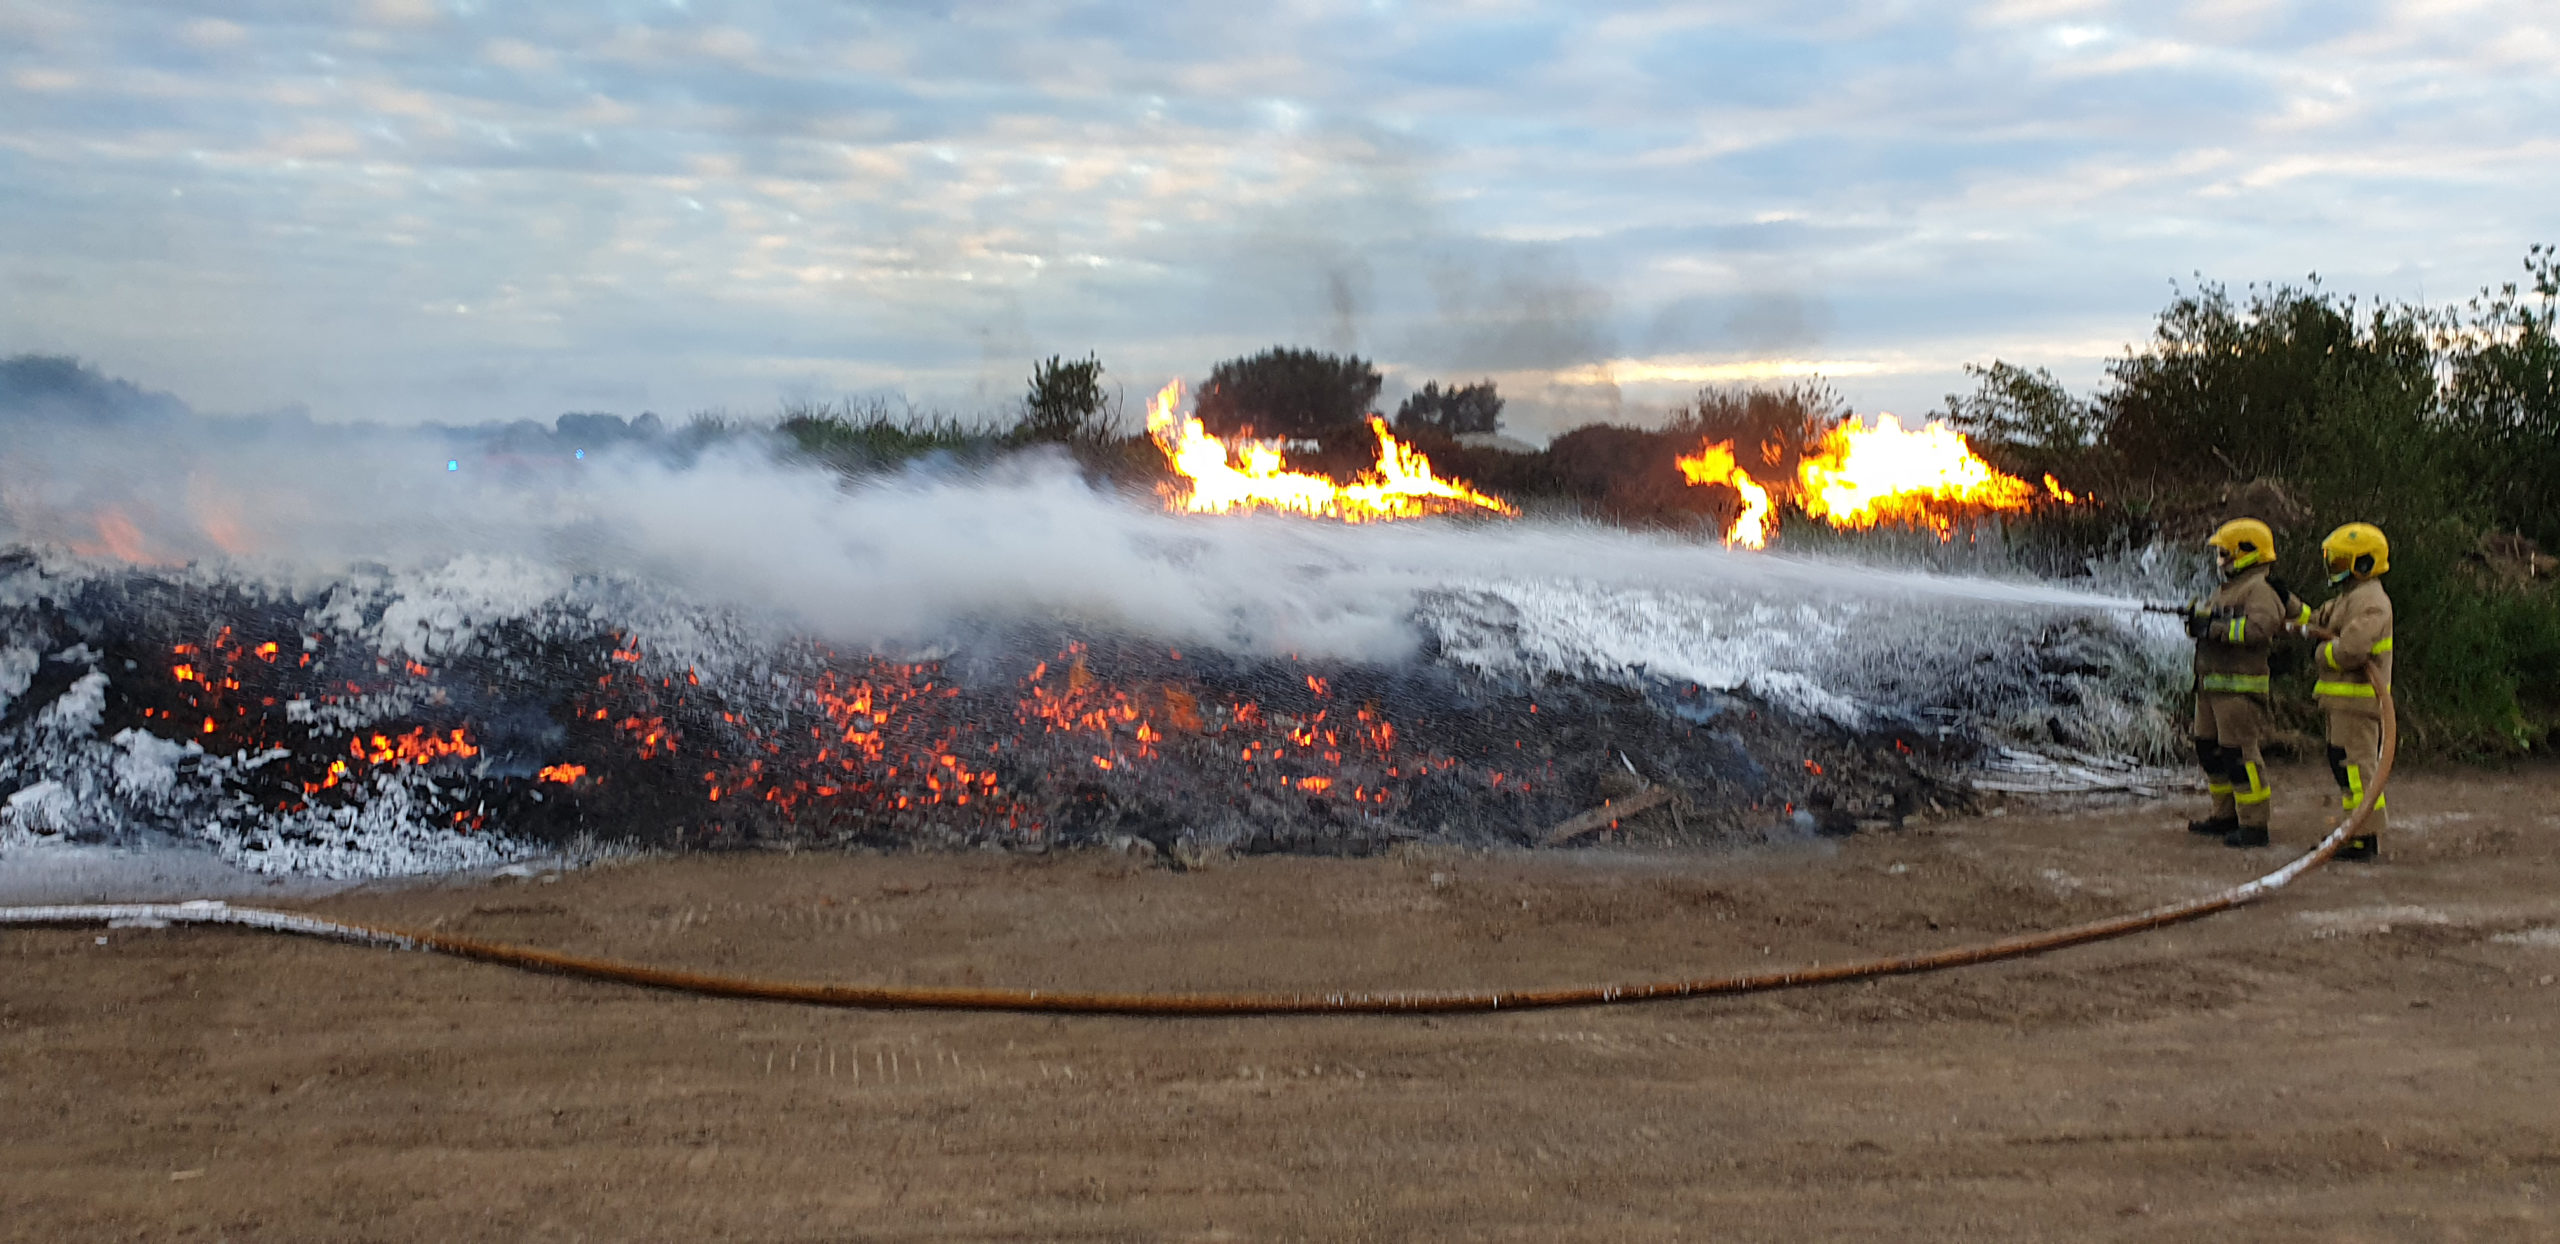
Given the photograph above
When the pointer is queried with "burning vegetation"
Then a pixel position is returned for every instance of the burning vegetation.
(320, 730)
(1239, 474)
(1852, 477)
(293, 735)
(1857, 477)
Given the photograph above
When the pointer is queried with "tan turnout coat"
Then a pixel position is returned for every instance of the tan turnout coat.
(2359, 659)
(2231, 656)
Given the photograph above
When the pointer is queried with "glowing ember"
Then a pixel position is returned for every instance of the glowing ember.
(566, 775)
(1219, 477)
(417, 747)
(1715, 465)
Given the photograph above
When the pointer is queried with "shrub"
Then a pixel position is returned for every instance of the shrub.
(2502, 399)
(1771, 428)
(1065, 405)
(1632, 475)
(2437, 427)
(2024, 421)
(1288, 393)
(1458, 410)
(869, 437)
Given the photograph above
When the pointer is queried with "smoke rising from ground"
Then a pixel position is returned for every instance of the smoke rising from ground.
(894, 560)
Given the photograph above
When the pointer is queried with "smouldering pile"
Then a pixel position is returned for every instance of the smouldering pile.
(430, 721)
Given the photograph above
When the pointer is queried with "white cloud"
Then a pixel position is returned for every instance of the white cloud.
(886, 196)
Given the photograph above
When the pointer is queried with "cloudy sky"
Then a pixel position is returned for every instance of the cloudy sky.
(457, 210)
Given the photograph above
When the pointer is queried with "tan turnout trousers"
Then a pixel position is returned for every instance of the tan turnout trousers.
(2355, 753)
(2231, 691)
(2238, 725)
(2349, 668)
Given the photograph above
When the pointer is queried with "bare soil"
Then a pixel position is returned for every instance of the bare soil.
(2369, 1056)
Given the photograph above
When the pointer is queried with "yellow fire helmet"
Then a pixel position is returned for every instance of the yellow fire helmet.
(2242, 543)
(2356, 551)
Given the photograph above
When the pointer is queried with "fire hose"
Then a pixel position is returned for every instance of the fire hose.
(954, 998)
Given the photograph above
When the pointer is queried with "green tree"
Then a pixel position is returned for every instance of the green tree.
(2434, 427)
(2502, 399)
(2026, 418)
(1288, 393)
(1771, 427)
(1457, 410)
(2228, 392)
(1065, 404)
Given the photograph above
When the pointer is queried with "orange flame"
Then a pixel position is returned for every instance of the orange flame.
(1715, 465)
(1219, 477)
(417, 747)
(1858, 477)
(566, 775)
(117, 537)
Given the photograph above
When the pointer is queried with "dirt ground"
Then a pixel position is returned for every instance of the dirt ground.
(2373, 1055)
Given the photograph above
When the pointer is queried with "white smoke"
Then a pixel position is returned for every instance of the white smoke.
(893, 560)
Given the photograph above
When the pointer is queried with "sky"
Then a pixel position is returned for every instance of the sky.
(457, 211)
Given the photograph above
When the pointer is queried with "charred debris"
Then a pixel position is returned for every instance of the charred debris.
(296, 732)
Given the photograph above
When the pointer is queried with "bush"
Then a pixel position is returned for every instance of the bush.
(2024, 421)
(2502, 399)
(1291, 394)
(1065, 405)
(851, 438)
(2438, 427)
(60, 388)
(1632, 475)
(1457, 411)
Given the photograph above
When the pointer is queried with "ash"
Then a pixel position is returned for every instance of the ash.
(481, 709)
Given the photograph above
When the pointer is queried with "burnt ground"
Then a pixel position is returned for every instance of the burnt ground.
(556, 727)
(2366, 1057)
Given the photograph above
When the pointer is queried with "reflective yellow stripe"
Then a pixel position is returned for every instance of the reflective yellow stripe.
(2384, 645)
(2234, 684)
(2257, 792)
(2343, 690)
(2239, 630)
(2303, 618)
(2329, 654)
(2217, 788)
(2355, 791)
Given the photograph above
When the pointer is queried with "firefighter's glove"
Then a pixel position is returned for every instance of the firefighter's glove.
(2200, 618)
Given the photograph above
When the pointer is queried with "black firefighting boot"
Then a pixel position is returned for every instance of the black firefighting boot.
(2246, 836)
(2361, 847)
(2218, 826)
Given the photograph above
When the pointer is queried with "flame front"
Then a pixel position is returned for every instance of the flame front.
(1222, 478)
(1858, 477)
(1715, 465)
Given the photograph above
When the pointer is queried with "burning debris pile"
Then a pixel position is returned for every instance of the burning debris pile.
(626, 652)
(399, 723)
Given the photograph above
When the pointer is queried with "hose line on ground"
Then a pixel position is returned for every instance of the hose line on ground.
(943, 997)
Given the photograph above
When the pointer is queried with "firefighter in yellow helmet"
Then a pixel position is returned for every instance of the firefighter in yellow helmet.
(2234, 628)
(2354, 658)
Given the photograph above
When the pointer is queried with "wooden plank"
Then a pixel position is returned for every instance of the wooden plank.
(1608, 814)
